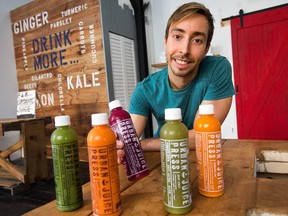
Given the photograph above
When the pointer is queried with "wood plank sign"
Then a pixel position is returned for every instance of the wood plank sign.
(59, 53)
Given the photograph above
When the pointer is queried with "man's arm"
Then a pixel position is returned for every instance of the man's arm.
(148, 144)
(139, 122)
(153, 144)
(221, 109)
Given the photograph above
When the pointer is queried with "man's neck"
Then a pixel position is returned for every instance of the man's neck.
(177, 83)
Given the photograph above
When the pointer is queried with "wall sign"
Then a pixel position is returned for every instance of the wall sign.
(59, 53)
(26, 102)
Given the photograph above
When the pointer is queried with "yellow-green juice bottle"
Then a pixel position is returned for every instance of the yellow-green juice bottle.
(66, 165)
(175, 163)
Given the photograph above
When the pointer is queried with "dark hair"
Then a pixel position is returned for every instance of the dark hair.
(187, 10)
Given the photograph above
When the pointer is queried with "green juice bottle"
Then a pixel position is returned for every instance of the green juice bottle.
(175, 163)
(66, 165)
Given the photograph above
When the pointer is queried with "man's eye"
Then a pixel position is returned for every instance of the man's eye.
(197, 41)
(176, 36)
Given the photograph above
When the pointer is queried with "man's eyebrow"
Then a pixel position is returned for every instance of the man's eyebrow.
(199, 34)
(183, 31)
(177, 30)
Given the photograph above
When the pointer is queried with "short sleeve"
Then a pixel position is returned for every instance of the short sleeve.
(220, 85)
(138, 102)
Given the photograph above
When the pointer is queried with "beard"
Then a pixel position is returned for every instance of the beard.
(183, 66)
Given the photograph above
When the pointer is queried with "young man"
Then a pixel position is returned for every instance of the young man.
(191, 78)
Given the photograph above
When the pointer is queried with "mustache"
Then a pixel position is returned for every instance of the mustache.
(183, 58)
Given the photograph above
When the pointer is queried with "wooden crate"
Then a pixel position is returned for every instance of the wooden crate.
(34, 166)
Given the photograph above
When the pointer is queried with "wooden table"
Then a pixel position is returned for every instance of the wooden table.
(245, 193)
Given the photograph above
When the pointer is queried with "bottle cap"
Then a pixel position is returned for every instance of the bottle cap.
(206, 109)
(63, 120)
(114, 104)
(173, 114)
(99, 119)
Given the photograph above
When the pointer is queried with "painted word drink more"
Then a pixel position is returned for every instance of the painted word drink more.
(66, 165)
(209, 153)
(175, 163)
(103, 168)
(134, 160)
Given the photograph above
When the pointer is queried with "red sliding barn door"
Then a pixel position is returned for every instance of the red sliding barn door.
(260, 57)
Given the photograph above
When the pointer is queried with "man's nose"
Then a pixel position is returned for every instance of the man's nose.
(185, 46)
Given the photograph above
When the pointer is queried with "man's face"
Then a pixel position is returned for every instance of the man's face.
(186, 45)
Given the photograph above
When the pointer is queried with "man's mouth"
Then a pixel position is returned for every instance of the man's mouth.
(182, 62)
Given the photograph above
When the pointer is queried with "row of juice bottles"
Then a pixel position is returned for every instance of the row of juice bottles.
(103, 165)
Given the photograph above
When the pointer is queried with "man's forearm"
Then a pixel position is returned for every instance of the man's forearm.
(191, 139)
(150, 144)
(153, 144)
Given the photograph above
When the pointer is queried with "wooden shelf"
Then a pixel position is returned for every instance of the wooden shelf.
(159, 65)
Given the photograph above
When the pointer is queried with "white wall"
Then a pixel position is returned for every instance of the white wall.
(8, 77)
(159, 12)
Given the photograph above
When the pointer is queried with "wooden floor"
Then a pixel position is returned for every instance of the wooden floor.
(34, 195)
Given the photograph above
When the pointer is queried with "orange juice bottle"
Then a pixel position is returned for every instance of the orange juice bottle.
(209, 153)
(103, 168)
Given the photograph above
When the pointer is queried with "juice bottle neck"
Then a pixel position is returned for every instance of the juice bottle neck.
(100, 126)
(63, 127)
(173, 121)
(116, 108)
(206, 115)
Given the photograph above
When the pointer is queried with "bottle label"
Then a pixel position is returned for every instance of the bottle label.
(134, 162)
(209, 161)
(104, 178)
(67, 173)
(175, 173)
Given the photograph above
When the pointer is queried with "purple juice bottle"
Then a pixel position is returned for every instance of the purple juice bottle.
(134, 161)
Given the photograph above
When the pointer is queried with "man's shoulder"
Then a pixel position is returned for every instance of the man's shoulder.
(215, 63)
(211, 61)
(214, 59)
(156, 77)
